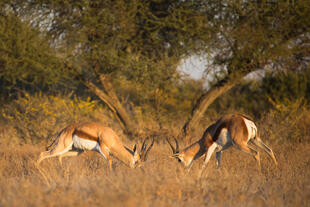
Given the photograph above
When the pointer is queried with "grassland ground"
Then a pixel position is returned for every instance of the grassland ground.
(162, 181)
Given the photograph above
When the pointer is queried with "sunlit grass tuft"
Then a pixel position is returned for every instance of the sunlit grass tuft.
(85, 180)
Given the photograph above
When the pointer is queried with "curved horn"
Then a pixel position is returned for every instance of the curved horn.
(173, 150)
(176, 149)
(143, 147)
(145, 152)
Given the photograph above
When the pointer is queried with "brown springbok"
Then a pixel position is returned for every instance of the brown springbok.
(79, 137)
(230, 130)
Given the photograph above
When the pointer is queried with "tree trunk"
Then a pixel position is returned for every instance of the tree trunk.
(109, 97)
(202, 105)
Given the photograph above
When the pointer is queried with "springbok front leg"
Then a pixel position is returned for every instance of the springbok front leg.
(106, 155)
(218, 158)
(208, 156)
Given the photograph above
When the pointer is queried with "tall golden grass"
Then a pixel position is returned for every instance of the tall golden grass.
(162, 181)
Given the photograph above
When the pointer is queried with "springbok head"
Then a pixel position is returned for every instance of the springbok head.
(141, 156)
(185, 156)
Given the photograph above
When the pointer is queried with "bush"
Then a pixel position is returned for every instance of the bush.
(276, 89)
(286, 86)
(287, 122)
(162, 104)
(38, 117)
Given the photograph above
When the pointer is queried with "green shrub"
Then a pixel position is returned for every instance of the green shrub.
(287, 122)
(40, 117)
(286, 86)
(276, 89)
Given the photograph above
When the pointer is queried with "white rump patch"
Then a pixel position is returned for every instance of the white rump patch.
(251, 127)
(85, 144)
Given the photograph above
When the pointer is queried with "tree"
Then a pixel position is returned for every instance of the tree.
(252, 35)
(101, 40)
(144, 41)
(26, 58)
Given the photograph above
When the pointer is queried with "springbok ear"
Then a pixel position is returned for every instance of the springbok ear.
(134, 148)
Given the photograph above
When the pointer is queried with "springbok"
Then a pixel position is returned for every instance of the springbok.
(230, 130)
(91, 136)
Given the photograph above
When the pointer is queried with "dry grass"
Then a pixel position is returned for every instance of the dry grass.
(85, 181)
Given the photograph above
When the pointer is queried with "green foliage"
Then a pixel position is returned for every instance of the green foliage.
(141, 40)
(275, 91)
(40, 117)
(287, 122)
(286, 86)
(256, 34)
(169, 102)
(140, 44)
(245, 98)
(26, 58)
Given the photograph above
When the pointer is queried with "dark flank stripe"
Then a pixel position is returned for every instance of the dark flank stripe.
(219, 129)
(84, 135)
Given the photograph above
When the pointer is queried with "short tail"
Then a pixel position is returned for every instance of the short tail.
(53, 143)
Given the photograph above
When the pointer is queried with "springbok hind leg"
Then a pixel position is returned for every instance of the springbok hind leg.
(245, 148)
(260, 144)
(45, 178)
(218, 158)
(53, 153)
(69, 154)
(58, 150)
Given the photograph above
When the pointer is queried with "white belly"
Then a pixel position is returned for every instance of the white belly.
(224, 140)
(85, 144)
(251, 127)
